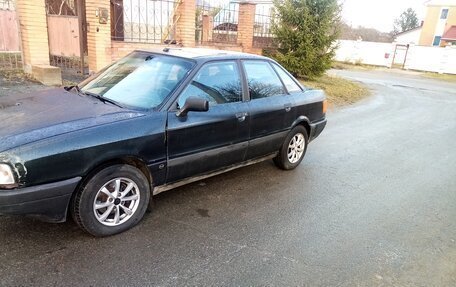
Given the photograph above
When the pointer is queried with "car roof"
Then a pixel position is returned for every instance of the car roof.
(202, 53)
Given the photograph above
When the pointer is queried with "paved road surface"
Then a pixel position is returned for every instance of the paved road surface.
(374, 204)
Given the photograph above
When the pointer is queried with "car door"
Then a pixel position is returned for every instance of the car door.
(206, 141)
(270, 109)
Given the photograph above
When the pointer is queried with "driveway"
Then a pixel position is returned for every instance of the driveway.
(373, 204)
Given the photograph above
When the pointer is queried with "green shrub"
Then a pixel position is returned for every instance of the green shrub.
(305, 32)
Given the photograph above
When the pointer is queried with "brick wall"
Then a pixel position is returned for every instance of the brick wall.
(34, 35)
(245, 25)
(120, 48)
(98, 35)
(185, 23)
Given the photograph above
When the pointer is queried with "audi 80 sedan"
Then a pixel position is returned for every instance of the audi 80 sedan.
(152, 121)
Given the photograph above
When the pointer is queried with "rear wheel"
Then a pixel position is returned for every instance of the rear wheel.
(112, 201)
(293, 149)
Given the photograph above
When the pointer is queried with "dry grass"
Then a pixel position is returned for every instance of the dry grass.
(350, 66)
(339, 91)
(443, 77)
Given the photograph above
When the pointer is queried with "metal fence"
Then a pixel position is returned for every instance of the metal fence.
(263, 36)
(10, 61)
(146, 21)
(222, 23)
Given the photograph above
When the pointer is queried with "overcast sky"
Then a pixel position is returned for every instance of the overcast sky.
(378, 14)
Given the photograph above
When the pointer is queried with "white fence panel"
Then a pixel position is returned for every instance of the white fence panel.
(432, 59)
(371, 53)
(421, 58)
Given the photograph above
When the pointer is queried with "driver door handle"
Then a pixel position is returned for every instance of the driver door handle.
(241, 116)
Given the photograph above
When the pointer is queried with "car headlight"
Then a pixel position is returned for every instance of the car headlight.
(6, 175)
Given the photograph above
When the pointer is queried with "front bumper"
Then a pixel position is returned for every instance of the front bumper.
(316, 128)
(48, 202)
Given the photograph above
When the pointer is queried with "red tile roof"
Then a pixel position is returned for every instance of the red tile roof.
(450, 34)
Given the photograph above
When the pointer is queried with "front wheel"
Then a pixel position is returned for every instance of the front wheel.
(112, 201)
(293, 149)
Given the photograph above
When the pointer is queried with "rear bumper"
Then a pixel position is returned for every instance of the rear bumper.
(48, 202)
(316, 128)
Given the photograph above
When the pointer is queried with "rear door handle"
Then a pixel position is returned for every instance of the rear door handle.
(241, 117)
(287, 107)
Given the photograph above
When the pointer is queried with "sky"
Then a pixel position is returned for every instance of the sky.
(378, 14)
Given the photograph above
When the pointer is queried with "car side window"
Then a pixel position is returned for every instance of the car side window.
(217, 82)
(262, 80)
(290, 84)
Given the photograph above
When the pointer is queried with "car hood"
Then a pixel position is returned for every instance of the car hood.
(52, 112)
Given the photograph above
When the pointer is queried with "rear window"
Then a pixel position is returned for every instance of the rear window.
(262, 80)
(290, 84)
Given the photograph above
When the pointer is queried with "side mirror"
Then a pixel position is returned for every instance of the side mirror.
(193, 104)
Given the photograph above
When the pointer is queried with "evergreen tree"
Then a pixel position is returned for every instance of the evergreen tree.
(305, 32)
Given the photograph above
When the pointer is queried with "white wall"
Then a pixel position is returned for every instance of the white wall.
(371, 53)
(421, 58)
(432, 59)
(411, 37)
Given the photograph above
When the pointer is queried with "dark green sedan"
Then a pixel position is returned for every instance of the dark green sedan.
(152, 121)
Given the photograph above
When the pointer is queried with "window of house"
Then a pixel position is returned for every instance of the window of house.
(217, 82)
(262, 80)
(444, 14)
(436, 41)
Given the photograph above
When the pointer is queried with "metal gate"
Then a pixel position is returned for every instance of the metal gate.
(400, 55)
(68, 37)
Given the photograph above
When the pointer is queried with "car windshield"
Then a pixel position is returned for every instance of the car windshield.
(140, 80)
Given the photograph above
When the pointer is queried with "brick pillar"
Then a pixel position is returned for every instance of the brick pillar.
(185, 23)
(34, 34)
(35, 42)
(245, 25)
(98, 34)
(207, 28)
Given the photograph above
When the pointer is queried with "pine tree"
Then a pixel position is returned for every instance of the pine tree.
(305, 32)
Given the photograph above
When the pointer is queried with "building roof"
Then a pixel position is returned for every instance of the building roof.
(408, 31)
(450, 34)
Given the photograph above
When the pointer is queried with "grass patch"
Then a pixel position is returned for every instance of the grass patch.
(14, 75)
(443, 77)
(339, 91)
(350, 66)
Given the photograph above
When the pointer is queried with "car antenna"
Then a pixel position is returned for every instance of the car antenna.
(166, 49)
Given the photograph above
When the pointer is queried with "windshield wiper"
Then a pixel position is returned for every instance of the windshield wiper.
(103, 99)
(75, 87)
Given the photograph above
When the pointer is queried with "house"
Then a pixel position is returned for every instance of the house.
(411, 36)
(449, 37)
(439, 24)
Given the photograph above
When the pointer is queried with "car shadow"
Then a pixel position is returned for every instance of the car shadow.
(194, 199)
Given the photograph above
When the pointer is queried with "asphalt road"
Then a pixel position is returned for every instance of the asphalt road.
(373, 204)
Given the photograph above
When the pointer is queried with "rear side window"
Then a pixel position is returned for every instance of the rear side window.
(217, 82)
(290, 84)
(262, 80)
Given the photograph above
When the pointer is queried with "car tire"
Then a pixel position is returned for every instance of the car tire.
(112, 201)
(293, 149)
